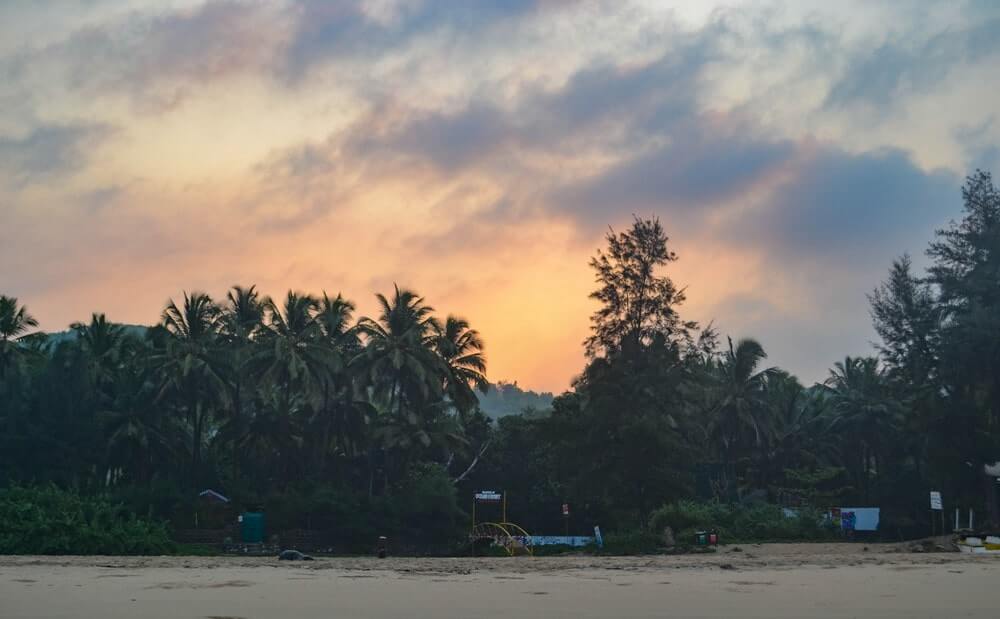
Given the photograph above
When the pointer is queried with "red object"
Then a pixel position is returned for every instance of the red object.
(713, 538)
(565, 509)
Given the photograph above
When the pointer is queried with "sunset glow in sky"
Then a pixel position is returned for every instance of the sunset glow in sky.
(478, 151)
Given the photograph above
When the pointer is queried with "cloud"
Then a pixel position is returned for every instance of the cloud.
(701, 168)
(476, 150)
(915, 62)
(839, 208)
(335, 31)
(157, 57)
(48, 151)
(980, 143)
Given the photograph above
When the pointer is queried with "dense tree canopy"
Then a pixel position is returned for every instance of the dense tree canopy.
(334, 420)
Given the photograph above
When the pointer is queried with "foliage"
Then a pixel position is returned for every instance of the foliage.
(737, 523)
(372, 425)
(631, 541)
(637, 304)
(504, 398)
(50, 521)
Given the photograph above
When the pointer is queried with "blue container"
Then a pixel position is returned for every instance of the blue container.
(252, 528)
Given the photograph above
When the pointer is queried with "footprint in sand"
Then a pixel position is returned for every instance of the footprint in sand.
(751, 582)
(191, 585)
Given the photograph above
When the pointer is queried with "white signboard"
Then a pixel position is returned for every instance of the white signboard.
(488, 495)
(936, 500)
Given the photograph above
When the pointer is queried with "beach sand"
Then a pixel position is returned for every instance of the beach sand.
(769, 580)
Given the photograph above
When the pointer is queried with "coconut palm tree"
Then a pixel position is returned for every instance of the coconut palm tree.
(273, 438)
(242, 316)
(738, 417)
(797, 436)
(138, 437)
(241, 322)
(461, 348)
(104, 345)
(18, 346)
(334, 317)
(191, 364)
(399, 363)
(341, 417)
(15, 324)
(293, 354)
(864, 412)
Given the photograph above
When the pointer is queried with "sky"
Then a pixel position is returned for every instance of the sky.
(479, 151)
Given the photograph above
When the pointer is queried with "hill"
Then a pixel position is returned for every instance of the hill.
(506, 398)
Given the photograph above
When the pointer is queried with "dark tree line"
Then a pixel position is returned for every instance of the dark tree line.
(665, 410)
(296, 398)
(251, 395)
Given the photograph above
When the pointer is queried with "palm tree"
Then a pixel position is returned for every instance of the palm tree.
(137, 436)
(274, 436)
(863, 411)
(17, 347)
(399, 362)
(334, 317)
(398, 367)
(103, 343)
(293, 354)
(461, 348)
(191, 364)
(341, 417)
(15, 324)
(739, 405)
(797, 432)
(242, 322)
(243, 315)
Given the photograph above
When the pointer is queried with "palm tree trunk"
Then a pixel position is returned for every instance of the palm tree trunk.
(195, 434)
(864, 459)
(371, 471)
(237, 425)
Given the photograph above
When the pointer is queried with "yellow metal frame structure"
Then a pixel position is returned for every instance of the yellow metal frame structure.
(507, 535)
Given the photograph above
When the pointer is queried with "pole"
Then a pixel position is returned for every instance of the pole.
(505, 506)
(956, 519)
(473, 514)
(970, 518)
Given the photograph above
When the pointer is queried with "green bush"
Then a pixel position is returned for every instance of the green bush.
(738, 523)
(631, 542)
(50, 521)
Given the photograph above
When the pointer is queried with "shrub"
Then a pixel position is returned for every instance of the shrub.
(734, 523)
(47, 520)
(637, 541)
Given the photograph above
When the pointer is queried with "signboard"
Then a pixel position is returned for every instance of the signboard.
(488, 495)
(936, 500)
(565, 509)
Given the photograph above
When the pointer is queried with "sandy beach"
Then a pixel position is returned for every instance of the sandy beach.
(770, 580)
